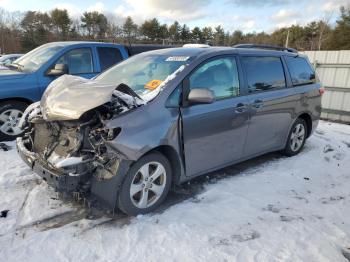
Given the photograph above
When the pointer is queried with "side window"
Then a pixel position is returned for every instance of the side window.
(108, 57)
(300, 70)
(219, 75)
(79, 61)
(263, 73)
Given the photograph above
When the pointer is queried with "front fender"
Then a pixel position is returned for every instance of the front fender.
(145, 129)
(25, 87)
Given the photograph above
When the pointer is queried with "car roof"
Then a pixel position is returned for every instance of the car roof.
(70, 43)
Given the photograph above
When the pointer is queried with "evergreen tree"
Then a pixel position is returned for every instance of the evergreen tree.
(175, 31)
(129, 29)
(60, 21)
(196, 35)
(340, 37)
(185, 33)
(150, 29)
(95, 24)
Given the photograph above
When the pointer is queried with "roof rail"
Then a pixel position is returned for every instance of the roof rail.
(269, 47)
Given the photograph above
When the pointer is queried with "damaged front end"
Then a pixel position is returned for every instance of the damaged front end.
(73, 155)
(68, 140)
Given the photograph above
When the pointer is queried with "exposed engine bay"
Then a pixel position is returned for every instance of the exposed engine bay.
(76, 148)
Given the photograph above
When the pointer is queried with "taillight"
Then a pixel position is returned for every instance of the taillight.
(322, 90)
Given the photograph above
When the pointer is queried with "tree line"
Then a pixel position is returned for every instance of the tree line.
(21, 32)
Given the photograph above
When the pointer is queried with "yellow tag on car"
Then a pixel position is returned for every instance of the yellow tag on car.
(153, 84)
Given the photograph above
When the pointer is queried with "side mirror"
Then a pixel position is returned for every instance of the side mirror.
(201, 96)
(60, 69)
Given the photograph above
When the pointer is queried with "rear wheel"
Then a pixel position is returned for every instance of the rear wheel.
(296, 138)
(10, 114)
(146, 185)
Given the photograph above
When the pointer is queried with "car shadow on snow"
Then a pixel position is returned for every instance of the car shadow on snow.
(181, 193)
(195, 186)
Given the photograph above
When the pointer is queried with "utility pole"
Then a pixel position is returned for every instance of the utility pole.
(287, 39)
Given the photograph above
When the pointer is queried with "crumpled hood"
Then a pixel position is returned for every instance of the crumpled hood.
(68, 97)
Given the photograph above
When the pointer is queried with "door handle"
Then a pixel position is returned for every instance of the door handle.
(258, 103)
(240, 108)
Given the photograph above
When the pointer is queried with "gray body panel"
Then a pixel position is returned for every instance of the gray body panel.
(211, 136)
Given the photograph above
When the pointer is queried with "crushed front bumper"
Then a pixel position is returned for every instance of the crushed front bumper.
(58, 180)
(103, 192)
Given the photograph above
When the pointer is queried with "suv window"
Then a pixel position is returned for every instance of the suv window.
(300, 70)
(108, 56)
(263, 73)
(219, 75)
(79, 61)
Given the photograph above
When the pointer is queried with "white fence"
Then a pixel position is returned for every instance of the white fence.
(333, 68)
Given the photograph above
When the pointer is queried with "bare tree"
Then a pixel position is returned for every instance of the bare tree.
(9, 30)
(323, 25)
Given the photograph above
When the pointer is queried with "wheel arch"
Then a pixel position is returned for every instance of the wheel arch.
(307, 118)
(17, 99)
(175, 162)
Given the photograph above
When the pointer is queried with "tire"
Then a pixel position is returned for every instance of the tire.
(10, 114)
(138, 191)
(296, 138)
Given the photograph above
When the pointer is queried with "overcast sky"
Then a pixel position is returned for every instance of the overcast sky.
(246, 15)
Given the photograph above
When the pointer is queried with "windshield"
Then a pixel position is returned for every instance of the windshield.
(4, 58)
(33, 60)
(143, 73)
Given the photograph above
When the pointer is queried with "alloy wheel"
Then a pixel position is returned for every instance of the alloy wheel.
(148, 185)
(297, 137)
(9, 120)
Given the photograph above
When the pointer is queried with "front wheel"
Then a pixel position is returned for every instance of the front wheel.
(146, 185)
(296, 138)
(10, 114)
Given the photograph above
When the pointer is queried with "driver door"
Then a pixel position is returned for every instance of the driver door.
(214, 134)
(79, 62)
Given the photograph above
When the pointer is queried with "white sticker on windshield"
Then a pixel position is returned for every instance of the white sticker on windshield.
(177, 58)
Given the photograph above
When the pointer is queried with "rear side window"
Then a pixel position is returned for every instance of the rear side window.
(108, 57)
(300, 70)
(263, 73)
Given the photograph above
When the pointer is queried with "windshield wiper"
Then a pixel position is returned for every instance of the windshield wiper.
(17, 66)
(127, 90)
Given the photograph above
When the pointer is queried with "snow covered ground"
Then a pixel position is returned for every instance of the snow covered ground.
(271, 208)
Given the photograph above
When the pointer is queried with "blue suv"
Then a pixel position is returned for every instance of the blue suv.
(28, 76)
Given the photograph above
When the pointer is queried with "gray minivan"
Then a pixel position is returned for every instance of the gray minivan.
(164, 117)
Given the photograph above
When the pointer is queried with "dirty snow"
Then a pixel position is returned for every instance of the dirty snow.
(271, 208)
